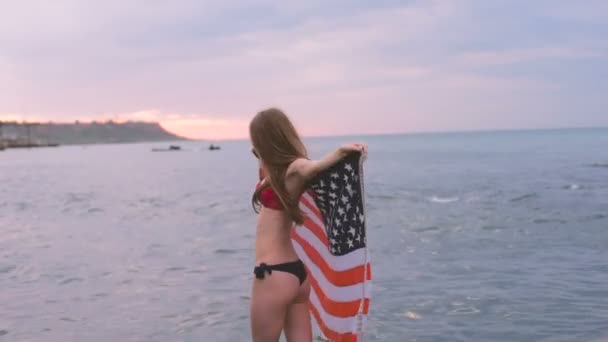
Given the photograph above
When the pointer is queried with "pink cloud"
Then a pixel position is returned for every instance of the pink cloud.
(212, 129)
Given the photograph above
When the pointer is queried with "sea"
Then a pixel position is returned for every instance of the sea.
(473, 236)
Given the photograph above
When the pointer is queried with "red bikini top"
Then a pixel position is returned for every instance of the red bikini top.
(269, 198)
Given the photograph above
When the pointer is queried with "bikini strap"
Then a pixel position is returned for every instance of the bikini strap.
(260, 271)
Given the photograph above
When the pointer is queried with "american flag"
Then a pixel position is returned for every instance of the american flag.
(332, 244)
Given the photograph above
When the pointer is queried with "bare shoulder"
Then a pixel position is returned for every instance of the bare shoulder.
(298, 167)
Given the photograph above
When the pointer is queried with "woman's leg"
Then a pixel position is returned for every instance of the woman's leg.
(270, 299)
(297, 324)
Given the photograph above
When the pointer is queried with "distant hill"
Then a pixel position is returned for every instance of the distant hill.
(87, 133)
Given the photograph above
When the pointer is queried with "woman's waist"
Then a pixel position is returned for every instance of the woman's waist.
(273, 239)
(273, 253)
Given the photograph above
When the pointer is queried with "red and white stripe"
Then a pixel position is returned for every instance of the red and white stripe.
(340, 285)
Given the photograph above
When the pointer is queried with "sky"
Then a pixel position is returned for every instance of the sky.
(204, 68)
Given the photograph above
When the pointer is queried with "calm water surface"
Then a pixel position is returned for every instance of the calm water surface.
(498, 236)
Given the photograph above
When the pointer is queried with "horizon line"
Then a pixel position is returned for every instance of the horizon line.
(314, 136)
(423, 132)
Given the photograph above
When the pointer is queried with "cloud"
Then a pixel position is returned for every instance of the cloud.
(261, 64)
(497, 58)
(589, 11)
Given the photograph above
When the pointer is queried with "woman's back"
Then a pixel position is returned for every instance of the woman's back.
(273, 231)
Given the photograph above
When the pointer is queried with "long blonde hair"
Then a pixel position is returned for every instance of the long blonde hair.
(277, 144)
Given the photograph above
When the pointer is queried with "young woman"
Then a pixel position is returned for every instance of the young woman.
(279, 300)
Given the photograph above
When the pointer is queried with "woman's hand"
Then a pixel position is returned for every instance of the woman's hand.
(308, 169)
(348, 148)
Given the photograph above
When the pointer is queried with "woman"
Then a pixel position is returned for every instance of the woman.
(279, 300)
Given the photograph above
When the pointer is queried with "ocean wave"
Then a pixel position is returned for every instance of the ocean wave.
(78, 197)
(595, 217)
(382, 196)
(467, 310)
(70, 280)
(226, 251)
(411, 315)
(523, 197)
(426, 229)
(492, 227)
(7, 269)
(573, 187)
(443, 200)
(549, 220)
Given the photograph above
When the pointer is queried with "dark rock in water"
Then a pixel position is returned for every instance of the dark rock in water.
(603, 165)
(23, 143)
(171, 148)
(213, 147)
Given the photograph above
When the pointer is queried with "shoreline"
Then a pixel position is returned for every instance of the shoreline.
(36, 135)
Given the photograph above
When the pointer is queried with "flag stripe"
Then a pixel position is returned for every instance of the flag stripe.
(309, 202)
(338, 309)
(337, 262)
(336, 293)
(317, 220)
(313, 228)
(336, 324)
(349, 277)
(330, 334)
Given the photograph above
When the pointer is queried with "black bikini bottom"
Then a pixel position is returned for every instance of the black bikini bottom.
(295, 267)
